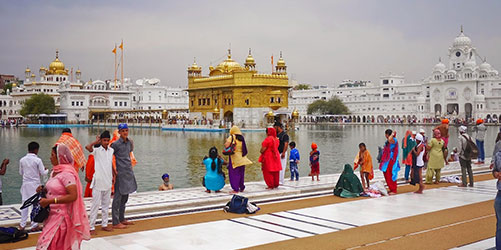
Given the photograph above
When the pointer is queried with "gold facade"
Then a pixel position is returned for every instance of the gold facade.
(229, 86)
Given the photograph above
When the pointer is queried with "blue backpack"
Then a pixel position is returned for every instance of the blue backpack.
(238, 204)
(12, 234)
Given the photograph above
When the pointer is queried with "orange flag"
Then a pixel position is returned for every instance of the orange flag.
(122, 45)
(271, 59)
(114, 50)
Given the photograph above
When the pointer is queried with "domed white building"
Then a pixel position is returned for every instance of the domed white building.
(461, 88)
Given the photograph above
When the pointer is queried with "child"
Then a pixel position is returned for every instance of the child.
(166, 185)
(364, 160)
(454, 155)
(418, 163)
(214, 176)
(31, 169)
(314, 162)
(294, 161)
(102, 180)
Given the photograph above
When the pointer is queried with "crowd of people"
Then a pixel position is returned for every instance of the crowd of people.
(109, 173)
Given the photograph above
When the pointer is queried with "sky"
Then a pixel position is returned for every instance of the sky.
(323, 42)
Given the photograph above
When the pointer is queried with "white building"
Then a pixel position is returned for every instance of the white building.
(462, 89)
(80, 100)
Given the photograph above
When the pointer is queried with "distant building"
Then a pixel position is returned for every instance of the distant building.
(238, 94)
(6, 79)
(462, 90)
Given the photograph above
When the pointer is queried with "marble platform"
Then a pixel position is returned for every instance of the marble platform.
(272, 227)
(187, 200)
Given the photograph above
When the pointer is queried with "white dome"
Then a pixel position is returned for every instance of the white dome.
(462, 40)
(153, 81)
(485, 66)
(439, 67)
(470, 65)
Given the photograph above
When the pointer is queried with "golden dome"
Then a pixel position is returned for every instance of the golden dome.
(78, 71)
(56, 67)
(216, 110)
(32, 75)
(270, 114)
(14, 85)
(250, 59)
(295, 113)
(227, 66)
(194, 67)
(27, 70)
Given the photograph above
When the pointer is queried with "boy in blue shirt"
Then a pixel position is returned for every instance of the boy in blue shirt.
(294, 161)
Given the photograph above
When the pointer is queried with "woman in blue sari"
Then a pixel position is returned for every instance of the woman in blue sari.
(214, 177)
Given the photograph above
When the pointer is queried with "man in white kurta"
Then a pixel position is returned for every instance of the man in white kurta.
(101, 181)
(31, 168)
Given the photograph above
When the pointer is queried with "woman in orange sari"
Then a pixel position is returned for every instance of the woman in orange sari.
(364, 161)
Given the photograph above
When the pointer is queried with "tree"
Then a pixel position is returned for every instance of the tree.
(6, 87)
(333, 106)
(302, 87)
(39, 104)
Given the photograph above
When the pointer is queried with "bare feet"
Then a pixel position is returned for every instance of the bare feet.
(461, 185)
(127, 223)
(471, 185)
(119, 226)
(269, 188)
(207, 191)
(392, 193)
(233, 192)
(36, 229)
(93, 232)
(107, 229)
(418, 192)
(20, 228)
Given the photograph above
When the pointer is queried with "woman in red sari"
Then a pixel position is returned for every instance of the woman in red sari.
(270, 159)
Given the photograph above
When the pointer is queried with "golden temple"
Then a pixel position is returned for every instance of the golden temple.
(237, 92)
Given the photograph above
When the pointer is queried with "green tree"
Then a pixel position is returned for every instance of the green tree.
(6, 87)
(39, 104)
(333, 106)
(302, 87)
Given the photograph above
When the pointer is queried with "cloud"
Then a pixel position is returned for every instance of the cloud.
(323, 42)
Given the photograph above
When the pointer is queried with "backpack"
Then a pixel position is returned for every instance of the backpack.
(471, 150)
(240, 205)
(230, 149)
(12, 234)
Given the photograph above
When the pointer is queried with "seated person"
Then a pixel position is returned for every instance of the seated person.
(166, 185)
(454, 155)
(214, 176)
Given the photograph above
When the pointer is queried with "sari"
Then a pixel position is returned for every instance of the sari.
(270, 159)
(366, 164)
(389, 164)
(67, 224)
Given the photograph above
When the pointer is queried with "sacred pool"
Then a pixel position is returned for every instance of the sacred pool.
(180, 153)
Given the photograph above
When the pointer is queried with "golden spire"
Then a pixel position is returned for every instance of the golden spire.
(461, 28)
(57, 53)
(229, 53)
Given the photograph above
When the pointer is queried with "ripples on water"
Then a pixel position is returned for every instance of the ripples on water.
(180, 153)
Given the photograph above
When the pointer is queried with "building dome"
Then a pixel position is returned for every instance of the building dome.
(227, 66)
(439, 67)
(485, 66)
(250, 59)
(295, 113)
(470, 65)
(56, 67)
(461, 40)
(281, 61)
(27, 70)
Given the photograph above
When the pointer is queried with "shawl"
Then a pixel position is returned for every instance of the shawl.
(390, 159)
(348, 184)
(407, 144)
(78, 215)
(270, 159)
(75, 148)
(366, 163)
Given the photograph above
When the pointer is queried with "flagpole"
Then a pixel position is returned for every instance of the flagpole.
(122, 62)
(115, 52)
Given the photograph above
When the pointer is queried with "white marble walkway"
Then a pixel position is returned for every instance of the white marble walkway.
(272, 227)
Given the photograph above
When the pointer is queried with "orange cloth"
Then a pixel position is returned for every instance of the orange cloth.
(89, 174)
(365, 163)
(75, 148)
(314, 146)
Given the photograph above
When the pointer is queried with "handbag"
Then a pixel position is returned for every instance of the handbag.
(38, 213)
(230, 149)
(238, 204)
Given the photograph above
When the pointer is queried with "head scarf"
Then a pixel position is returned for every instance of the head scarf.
(422, 131)
(122, 126)
(462, 129)
(80, 223)
(314, 146)
(407, 144)
(271, 132)
(479, 121)
(445, 121)
(105, 134)
(236, 133)
(348, 184)
(165, 176)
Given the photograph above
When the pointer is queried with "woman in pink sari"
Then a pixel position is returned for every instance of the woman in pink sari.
(67, 224)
